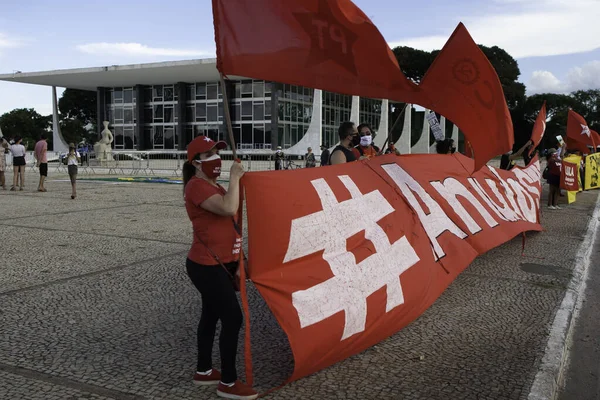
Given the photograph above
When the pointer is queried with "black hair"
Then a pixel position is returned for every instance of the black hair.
(188, 171)
(364, 126)
(43, 136)
(17, 138)
(346, 129)
(443, 146)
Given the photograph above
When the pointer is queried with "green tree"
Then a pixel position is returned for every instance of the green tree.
(80, 105)
(588, 103)
(73, 130)
(413, 63)
(26, 123)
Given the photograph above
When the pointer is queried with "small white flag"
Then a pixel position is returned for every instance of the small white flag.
(436, 129)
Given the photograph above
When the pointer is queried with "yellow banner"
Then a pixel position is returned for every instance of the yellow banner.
(574, 159)
(592, 170)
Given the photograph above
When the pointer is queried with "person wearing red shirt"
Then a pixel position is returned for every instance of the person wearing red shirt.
(553, 178)
(213, 260)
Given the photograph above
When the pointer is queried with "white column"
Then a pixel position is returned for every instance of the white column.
(422, 146)
(383, 129)
(455, 134)
(355, 110)
(313, 135)
(58, 142)
(405, 138)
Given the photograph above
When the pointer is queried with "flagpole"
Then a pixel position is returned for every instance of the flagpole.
(228, 116)
(393, 126)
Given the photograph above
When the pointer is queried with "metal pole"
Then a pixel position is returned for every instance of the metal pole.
(393, 126)
(228, 117)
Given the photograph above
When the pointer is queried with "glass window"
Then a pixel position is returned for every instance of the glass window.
(128, 96)
(246, 133)
(258, 89)
(148, 94)
(168, 93)
(129, 138)
(200, 112)
(237, 112)
(221, 111)
(157, 93)
(267, 88)
(118, 132)
(246, 109)
(259, 134)
(212, 113)
(176, 113)
(147, 114)
(238, 90)
(268, 136)
(259, 112)
(200, 91)
(168, 114)
(267, 109)
(128, 116)
(237, 133)
(119, 115)
(158, 113)
(110, 115)
(190, 113)
(169, 134)
(212, 92)
(158, 138)
(118, 95)
(190, 92)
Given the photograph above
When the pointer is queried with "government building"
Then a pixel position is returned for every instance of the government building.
(163, 106)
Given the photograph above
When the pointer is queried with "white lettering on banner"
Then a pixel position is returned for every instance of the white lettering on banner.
(436, 222)
(477, 186)
(503, 208)
(510, 195)
(526, 203)
(237, 246)
(450, 189)
(352, 282)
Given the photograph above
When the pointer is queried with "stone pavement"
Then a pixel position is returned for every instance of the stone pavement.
(95, 304)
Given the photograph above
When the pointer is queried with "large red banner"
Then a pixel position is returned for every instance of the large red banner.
(347, 255)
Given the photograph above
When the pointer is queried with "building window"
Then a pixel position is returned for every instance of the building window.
(128, 96)
(200, 91)
(158, 138)
(211, 113)
(168, 93)
(157, 92)
(200, 112)
(212, 92)
(158, 113)
(168, 113)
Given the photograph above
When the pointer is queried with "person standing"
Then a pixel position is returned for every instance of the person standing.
(553, 178)
(3, 150)
(366, 148)
(212, 262)
(40, 153)
(279, 158)
(507, 161)
(324, 155)
(18, 152)
(73, 159)
(311, 162)
(345, 151)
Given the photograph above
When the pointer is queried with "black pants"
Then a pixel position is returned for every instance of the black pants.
(219, 302)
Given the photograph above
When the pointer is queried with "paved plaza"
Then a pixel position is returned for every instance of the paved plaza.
(95, 304)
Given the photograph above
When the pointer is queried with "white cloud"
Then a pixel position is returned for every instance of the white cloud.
(527, 28)
(8, 42)
(578, 78)
(137, 49)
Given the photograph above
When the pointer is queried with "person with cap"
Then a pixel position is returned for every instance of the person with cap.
(212, 262)
(507, 161)
(279, 158)
(73, 159)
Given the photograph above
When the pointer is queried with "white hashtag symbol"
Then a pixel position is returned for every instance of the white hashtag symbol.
(352, 282)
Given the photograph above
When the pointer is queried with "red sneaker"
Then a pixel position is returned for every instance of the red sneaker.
(239, 390)
(211, 379)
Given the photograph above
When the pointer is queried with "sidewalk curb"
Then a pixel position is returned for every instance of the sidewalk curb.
(547, 380)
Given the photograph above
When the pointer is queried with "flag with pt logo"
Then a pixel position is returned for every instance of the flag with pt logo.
(324, 44)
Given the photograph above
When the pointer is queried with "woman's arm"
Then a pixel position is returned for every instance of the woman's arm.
(228, 204)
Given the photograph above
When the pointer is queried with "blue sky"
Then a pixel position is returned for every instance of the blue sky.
(556, 42)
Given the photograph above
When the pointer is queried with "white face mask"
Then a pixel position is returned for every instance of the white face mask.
(366, 140)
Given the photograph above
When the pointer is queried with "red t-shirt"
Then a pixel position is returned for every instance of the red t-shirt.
(555, 165)
(216, 231)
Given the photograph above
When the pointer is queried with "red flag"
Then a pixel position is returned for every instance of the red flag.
(596, 138)
(569, 176)
(463, 86)
(578, 131)
(325, 44)
(538, 129)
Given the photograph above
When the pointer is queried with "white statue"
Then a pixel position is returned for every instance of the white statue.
(103, 148)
